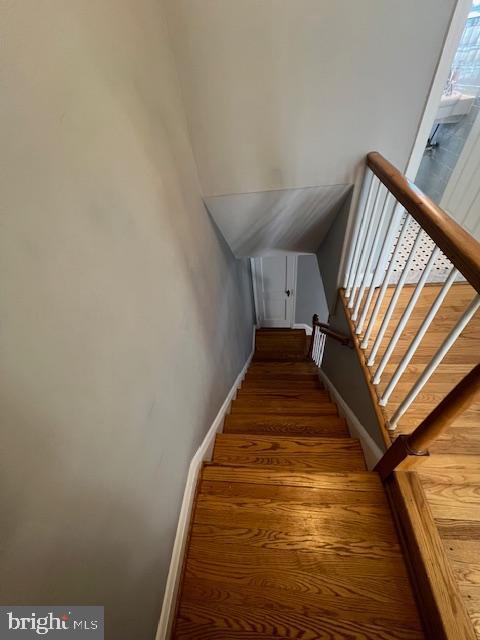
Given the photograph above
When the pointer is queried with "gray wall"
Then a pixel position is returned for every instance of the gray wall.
(329, 253)
(124, 317)
(310, 294)
(294, 93)
(340, 363)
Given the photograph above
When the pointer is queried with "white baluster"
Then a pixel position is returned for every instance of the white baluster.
(435, 361)
(365, 191)
(405, 316)
(359, 237)
(365, 247)
(315, 345)
(386, 280)
(394, 300)
(418, 337)
(373, 250)
(388, 238)
(322, 349)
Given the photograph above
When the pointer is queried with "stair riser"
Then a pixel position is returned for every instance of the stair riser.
(284, 379)
(292, 382)
(301, 396)
(291, 409)
(283, 420)
(289, 430)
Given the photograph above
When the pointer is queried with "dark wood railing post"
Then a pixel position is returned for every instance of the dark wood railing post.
(408, 448)
(331, 333)
(314, 328)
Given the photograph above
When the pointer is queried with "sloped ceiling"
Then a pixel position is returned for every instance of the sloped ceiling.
(281, 221)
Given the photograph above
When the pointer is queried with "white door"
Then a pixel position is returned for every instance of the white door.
(274, 285)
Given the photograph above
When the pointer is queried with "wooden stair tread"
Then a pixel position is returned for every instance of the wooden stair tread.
(358, 481)
(283, 405)
(291, 537)
(275, 595)
(311, 494)
(281, 424)
(225, 621)
(287, 561)
(323, 454)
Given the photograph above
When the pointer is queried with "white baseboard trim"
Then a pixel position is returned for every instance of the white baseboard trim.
(307, 328)
(371, 450)
(203, 453)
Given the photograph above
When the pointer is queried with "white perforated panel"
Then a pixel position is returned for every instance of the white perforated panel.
(441, 267)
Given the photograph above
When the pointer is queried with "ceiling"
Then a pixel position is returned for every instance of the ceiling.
(280, 221)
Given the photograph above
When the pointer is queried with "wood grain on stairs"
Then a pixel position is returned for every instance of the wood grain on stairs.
(299, 395)
(258, 423)
(281, 405)
(321, 454)
(291, 537)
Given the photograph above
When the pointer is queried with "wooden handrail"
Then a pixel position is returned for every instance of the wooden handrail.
(449, 409)
(331, 333)
(455, 242)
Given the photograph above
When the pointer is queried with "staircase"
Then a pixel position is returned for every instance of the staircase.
(291, 536)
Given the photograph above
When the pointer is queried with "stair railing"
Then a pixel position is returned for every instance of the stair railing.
(408, 448)
(320, 331)
(390, 209)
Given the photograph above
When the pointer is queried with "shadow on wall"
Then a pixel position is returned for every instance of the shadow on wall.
(341, 363)
(310, 295)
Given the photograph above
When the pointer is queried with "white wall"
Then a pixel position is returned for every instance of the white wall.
(124, 318)
(293, 93)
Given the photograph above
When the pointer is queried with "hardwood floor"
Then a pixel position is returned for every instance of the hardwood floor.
(451, 476)
(291, 537)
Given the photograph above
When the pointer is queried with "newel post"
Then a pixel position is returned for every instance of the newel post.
(408, 449)
(312, 339)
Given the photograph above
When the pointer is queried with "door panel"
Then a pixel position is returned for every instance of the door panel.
(275, 282)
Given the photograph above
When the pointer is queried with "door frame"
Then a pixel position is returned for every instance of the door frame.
(256, 294)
